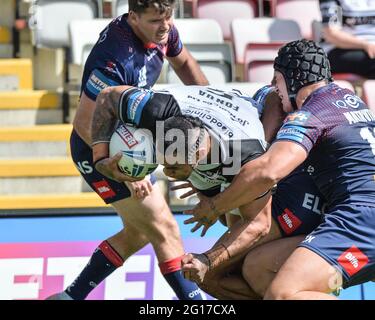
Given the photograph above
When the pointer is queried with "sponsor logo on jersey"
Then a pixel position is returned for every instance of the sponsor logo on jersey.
(310, 170)
(298, 118)
(98, 81)
(353, 260)
(291, 132)
(308, 239)
(364, 115)
(127, 136)
(288, 221)
(212, 121)
(111, 67)
(152, 54)
(103, 189)
(194, 293)
(142, 78)
(348, 101)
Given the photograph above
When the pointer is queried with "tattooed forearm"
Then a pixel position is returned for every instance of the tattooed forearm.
(104, 121)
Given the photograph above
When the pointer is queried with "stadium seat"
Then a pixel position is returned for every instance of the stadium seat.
(369, 93)
(208, 48)
(83, 36)
(215, 60)
(49, 25)
(224, 11)
(351, 77)
(261, 30)
(119, 7)
(304, 12)
(199, 31)
(52, 17)
(258, 62)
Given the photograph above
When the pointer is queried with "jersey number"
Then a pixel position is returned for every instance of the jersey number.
(369, 136)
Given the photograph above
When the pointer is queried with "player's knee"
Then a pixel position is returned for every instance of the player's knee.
(163, 228)
(249, 269)
(166, 220)
(277, 291)
(211, 285)
(207, 283)
(171, 227)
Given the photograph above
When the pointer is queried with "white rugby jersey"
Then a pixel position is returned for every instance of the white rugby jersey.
(229, 116)
(356, 17)
(231, 119)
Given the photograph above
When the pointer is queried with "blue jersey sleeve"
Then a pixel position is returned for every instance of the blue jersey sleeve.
(303, 128)
(98, 80)
(109, 61)
(174, 46)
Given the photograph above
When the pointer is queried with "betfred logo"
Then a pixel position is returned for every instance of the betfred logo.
(288, 221)
(127, 136)
(103, 189)
(353, 260)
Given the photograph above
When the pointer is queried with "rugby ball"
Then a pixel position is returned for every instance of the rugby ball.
(137, 148)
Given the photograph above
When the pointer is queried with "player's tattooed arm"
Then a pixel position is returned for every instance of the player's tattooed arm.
(104, 120)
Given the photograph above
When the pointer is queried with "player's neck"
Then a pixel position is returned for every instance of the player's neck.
(305, 92)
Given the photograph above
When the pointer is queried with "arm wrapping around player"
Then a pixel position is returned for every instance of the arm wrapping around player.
(260, 175)
(244, 233)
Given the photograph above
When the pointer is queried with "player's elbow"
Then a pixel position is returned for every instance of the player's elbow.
(107, 99)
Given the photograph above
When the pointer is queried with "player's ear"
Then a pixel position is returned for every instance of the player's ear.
(133, 16)
(201, 153)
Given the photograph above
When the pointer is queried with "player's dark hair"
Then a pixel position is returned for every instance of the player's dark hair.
(184, 124)
(140, 6)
